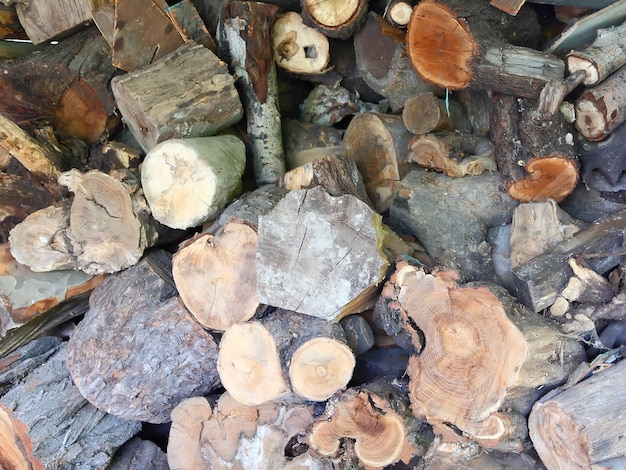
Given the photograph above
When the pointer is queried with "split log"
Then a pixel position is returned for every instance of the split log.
(189, 181)
(424, 113)
(220, 263)
(335, 19)
(383, 62)
(196, 100)
(434, 208)
(537, 158)
(299, 48)
(320, 255)
(243, 35)
(539, 280)
(136, 341)
(371, 424)
(187, 21)
(234, 435)
(282, 354)
(600, 110)
(378, 143)
(455, 45)
(578, 428)
(43, 21)
(66, 84)
(453, 153)
(73, 433)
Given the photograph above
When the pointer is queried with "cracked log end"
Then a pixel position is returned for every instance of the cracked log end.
(551, 177)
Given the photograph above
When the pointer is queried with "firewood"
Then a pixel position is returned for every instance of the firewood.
(599, 110)
(434, 208)
(220, 263)
(243, 37)
(187, 21)
(383, 62)
(198, 99)
(537, 158)
(455, 45)
(335, 19)
(299, 48)
(189, 181)
(10, 26)
(109, 361)
(565, 428)
(32, 442)
(398, 13)
(371, 423)
(139, 454)
(539, 280)
(43, 21)
(602, 163)
(512, 7)
(453, 153)
(424, 113)
(300, 137)
(379, 145)
(320, 255)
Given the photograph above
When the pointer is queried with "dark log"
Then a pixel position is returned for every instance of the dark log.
(602, 164)
(136, 341)
(299, 137)
(139, 454)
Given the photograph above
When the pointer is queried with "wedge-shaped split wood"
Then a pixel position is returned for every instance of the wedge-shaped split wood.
(44, 21)
(320, 255)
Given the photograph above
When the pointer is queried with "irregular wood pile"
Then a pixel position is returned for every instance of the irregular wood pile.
(312, 234)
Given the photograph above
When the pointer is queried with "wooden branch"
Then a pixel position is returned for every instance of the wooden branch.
(108, 359)
(244, 29)
(189, 181)
(398, 13)
(554, 92)
(335, 19)
(198, 99)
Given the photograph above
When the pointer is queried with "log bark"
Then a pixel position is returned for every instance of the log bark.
(220, 263)
(456, 45)
(335, 19)
(296, 270)
(139, 454)
(383, 62)
(188, 182)
(43, 21)
(136, 341)
(243, 32)
(565, 428)
(199, 99)
(74, 433)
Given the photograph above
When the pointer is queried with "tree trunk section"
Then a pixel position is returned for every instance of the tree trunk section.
(424, 112)
(335, 19)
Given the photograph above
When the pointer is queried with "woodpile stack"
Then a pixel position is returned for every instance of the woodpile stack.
(353, 235)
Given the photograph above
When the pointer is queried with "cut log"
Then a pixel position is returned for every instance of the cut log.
(189, 181)
(335, 19)
(424, 113)
(187, 21)
(243, 35)
(383, 62)
(398, 13)
(455, 45)
(199, 99)
(537, 158)
(453, 153)
(124, 372)
(319, 254)
(371, 423)
(379, 145)
(435, 209)
(73, 433)
(299, 48)
(565, 428)
(43, 21)
(220, 263)
(600, 110)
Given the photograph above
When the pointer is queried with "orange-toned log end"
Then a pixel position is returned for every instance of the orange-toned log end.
(440, 45)
(17, 447)
(553, 177)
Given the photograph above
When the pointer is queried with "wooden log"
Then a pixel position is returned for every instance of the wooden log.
(383, 62)
(424, 112)
(242, 37)
(379, 145)
(306, 136)
(43, 21)
(434, 208)
(599, 110)
(455, 45)
(125, 373)
(299, 48)
(603, 163)
(336, 19)
(10, 26)
(67, 85)
(537, 158)
(220, 263)
(296, 270)
(189, 181)
(371, 424)
(187, 21)
(138, 454)
(577, 428)
(74, 433)
(200, 99)
(398, 13)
